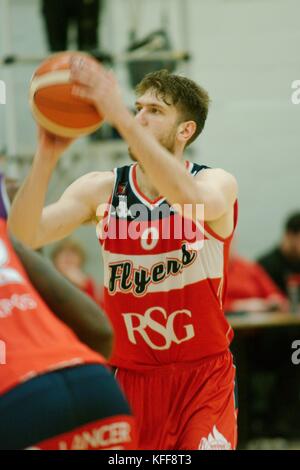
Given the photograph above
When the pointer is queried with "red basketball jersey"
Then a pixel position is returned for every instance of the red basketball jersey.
(32, 339)
(164, 285)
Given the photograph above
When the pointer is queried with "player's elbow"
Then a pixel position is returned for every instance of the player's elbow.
(214, 207)
(218, 200)
(18, 234)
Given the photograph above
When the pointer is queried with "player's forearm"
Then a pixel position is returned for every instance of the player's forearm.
(168, 174)
(25, 216)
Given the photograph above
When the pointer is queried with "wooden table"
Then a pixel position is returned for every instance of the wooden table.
(247, 321)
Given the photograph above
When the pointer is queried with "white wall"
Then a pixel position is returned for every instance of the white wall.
(246, 53)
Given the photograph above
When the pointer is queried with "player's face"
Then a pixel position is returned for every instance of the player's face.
(159, 118)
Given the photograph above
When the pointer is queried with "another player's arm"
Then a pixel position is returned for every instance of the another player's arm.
(67, 302)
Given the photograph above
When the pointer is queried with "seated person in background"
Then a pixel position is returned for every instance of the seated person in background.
(69, 258)
(284, 260)
(272, 396)
(251, 289)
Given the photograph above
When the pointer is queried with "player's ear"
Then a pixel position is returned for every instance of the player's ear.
(186, 130)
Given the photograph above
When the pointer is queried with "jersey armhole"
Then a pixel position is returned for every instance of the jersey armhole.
(213, 234)
(195, 170)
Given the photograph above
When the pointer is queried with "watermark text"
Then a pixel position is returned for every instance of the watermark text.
(296, 94)
(2, 92)
(296, 353)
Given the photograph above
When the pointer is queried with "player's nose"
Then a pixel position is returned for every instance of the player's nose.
(141, 117)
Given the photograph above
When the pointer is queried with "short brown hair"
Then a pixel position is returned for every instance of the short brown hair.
(191, 100)
(292, 224)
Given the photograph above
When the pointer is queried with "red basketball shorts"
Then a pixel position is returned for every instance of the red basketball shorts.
(184, 406)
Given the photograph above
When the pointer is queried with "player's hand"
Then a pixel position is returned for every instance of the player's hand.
(96, 84)
(50, 145)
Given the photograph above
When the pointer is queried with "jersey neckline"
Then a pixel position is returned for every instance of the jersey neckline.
(151, 203)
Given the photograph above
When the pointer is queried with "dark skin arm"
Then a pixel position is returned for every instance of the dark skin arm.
(67, 302)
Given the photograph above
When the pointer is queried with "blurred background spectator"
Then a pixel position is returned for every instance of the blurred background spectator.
(59, 15)
(69, 259)
(250, 288)
(283, 261)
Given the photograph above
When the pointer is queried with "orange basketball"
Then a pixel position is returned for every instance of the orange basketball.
(52, 103)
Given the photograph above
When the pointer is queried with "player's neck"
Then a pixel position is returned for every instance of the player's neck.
(144, 183)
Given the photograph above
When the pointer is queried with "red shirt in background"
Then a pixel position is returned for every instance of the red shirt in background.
(246, 280)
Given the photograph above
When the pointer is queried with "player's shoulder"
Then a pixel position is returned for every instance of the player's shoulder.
(97, 177)
(217, 174)
(95, 181)
(209, 171)
(93, 188)
(99, 185)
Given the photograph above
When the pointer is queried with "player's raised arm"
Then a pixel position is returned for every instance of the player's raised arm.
(26, 212)
(218, 191)
(76, 206)
(36, 225)
(161, 163)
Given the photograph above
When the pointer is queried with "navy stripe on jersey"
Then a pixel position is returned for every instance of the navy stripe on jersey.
(125, 200)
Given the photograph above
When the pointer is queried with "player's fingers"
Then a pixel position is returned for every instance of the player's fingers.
(83, 76)
(110, 75)
(82, 92)
(79, 64)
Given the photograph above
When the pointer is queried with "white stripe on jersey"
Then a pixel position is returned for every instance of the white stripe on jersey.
(209, 264)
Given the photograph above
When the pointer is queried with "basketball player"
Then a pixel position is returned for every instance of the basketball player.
(164, 294)
(55, 392)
